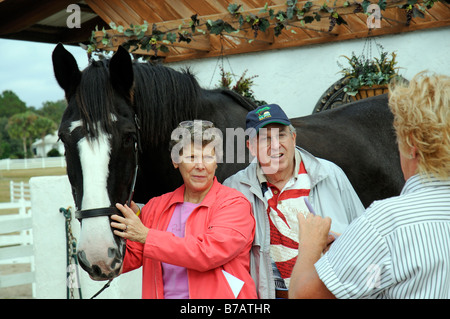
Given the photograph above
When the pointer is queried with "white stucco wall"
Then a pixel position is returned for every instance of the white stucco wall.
(295, 78)
(48, 195)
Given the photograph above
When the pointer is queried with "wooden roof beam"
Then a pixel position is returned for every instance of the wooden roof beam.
(17, 15)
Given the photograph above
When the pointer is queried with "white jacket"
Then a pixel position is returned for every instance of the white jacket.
(331, 195)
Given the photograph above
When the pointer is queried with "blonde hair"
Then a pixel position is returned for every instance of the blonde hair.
(422, 119)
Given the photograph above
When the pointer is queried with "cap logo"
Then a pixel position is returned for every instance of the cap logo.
(264, 113)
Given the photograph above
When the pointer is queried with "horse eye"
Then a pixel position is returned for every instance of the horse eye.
(129, 139)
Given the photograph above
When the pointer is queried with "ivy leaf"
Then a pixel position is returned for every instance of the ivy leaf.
(184, 37)
(278, 28)
(163, 48)
(290, 12)
(271, 13)
(309, 19)
(281, 16)
(382, 4)
(140, 35)
(241, 21)
(325, 8)
(365, 4)
(171, 37)
(129, 32)
(194, 21)
(145, 44)
(228, 28)
(218, 26)
(263, 24)
(307, 6)
(233, 8)
(291, 3)
(317, 16)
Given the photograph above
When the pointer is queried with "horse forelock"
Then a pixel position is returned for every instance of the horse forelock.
(95, 100)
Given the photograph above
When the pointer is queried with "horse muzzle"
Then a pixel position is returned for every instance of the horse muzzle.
(100, 252)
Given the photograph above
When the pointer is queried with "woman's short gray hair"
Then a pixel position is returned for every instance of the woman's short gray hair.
(195, 132)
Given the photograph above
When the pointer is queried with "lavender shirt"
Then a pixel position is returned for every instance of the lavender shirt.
(175, 277)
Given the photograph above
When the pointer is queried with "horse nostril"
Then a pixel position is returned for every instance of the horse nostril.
(96, 271)
(112, 252)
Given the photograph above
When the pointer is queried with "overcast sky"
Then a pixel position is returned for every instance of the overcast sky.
(26, 69)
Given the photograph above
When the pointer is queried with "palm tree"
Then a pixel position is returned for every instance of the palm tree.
(20, 126)
(43, 126)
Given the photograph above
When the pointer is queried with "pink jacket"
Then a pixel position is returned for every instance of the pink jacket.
(219, 235)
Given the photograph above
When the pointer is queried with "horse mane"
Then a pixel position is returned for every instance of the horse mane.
(163, 97)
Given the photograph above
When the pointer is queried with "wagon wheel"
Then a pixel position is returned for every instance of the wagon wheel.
(333, 97)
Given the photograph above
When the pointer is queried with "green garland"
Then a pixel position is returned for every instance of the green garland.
(266, 18)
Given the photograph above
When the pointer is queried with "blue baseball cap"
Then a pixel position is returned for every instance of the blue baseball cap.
(264, 115)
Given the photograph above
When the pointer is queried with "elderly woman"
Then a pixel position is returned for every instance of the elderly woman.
(195, 241)
(399, 247)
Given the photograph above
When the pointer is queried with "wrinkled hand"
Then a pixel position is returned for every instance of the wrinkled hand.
(129, 226)
(314, 232)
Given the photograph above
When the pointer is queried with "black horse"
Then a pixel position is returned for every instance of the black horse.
(120, 116)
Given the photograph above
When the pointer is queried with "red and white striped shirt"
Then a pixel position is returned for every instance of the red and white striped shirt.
(283, 207)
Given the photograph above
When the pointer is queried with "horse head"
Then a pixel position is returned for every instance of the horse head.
(99, 130)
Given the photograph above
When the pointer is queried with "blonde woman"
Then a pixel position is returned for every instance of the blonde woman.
(399, 247)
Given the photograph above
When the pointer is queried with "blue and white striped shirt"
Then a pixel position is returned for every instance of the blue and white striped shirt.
(399, 248)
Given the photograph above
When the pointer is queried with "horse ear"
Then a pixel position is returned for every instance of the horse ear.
(121, 71)
(66, 70)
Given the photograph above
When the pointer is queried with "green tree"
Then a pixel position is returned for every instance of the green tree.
(20, 126)
(10, 104)
(8, 145)
(41, 127)
(53, 110)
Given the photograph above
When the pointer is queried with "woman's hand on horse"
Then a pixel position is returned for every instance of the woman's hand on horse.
(129, 226)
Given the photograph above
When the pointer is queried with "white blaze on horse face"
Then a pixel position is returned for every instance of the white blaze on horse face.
(96, 238)
(94, 159)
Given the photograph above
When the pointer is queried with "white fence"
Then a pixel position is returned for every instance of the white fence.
(19, 192)
(39, 238)
(27, 163)
(16, 239)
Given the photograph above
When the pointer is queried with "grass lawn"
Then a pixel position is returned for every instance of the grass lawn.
(24, 175)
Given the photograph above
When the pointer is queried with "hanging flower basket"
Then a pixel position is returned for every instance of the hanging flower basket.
(365, 77)
(369, 91)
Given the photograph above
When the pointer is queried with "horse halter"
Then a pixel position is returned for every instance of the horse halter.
(112, 210)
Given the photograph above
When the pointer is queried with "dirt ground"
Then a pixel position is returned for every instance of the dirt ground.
(16, 292)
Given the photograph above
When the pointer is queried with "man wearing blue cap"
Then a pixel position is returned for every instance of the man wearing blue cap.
(277, 183)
